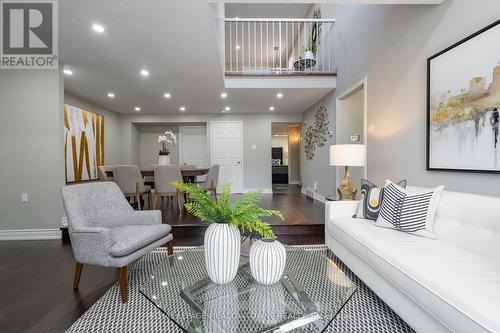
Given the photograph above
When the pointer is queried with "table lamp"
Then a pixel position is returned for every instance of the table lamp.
(347, 155)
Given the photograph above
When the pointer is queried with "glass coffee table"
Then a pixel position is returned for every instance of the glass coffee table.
(308, 297)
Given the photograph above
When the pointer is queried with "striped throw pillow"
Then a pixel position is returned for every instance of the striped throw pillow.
(407, 211)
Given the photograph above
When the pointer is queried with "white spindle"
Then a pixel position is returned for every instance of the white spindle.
(249, 47)
(231, 46)
(329, 47)
(255, 46)
(267, 45)
(261, 45)
(237, 51)
(280, 45)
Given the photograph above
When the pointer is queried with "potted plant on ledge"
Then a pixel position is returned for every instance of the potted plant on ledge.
(166, 139)
(222, 238)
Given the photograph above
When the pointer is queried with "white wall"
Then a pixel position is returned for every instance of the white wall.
(389, 44)
(31, 147)
(111, 127)
(318, 169)
(256, 131)
(349, 119)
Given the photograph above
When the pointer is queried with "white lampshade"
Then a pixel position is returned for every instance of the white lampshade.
(347, 155)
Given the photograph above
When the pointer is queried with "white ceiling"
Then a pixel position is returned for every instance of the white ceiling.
(175, 41)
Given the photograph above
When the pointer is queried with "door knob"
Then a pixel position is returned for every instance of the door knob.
(239, 162)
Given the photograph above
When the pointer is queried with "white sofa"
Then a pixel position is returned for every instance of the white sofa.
(451, 283)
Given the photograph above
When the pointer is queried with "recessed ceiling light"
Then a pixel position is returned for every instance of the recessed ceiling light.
(227, 108)
(271, 108)
(223, 95)
(279, 95)
(223, 111)
(167, 95)
(237, 47)
(144, 72)
(111, 95)
(137, 109)
(98, 28)
(68, 71)
(182, 108)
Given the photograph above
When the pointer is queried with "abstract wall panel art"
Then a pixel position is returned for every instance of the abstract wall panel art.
(83, 143)
(463, 104)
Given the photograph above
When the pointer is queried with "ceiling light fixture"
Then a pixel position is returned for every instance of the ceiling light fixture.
(237, 47)
(144, 72)
(137, 109)
(182, 108)
(279, 95)
(68, 71)
(98, 28)
(227, 108)
(167, 95)
(111, 95)
(223, 95)
(271, 108)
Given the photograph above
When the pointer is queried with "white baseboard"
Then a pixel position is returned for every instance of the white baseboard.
(30, 234)
(264, 190)
(315, 196)
(294, 182)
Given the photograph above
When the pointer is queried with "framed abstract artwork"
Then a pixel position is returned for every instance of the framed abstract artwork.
(83, 144)
(463, 104)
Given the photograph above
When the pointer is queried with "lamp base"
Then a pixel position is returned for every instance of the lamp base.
(347, 190)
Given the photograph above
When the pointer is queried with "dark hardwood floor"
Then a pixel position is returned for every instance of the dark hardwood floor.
(36, 276)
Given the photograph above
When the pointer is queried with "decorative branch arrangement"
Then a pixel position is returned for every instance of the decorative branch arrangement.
(317, 135)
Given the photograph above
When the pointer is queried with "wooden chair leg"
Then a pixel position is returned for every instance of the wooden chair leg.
(76, 277)
(138, 199)
(123, 281)
(155, 196)
(170, 248)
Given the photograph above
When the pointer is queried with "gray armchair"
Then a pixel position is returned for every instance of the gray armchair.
(106, 231)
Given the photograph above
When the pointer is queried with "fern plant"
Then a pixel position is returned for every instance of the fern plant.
(243, 213)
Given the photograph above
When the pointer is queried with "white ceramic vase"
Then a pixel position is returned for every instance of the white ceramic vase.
(222, 252)
(267, 260)
(164, 160)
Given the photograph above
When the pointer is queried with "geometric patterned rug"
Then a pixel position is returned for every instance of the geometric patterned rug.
(365, 312)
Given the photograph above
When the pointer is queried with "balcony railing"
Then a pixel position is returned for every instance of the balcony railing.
(278, 46)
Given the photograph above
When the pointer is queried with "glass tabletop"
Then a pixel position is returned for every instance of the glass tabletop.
(308, 297)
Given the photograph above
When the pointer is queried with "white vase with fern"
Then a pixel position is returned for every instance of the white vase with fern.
(227, 219)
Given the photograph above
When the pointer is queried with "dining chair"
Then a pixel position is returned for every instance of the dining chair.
(106, 231)
(165, 175)
(130, 181)
(101, 172)
(211, 181)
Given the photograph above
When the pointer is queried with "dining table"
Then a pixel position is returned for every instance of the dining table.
(188, 174)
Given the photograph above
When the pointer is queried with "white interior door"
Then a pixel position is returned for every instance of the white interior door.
(227, 138)
(193, 145)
